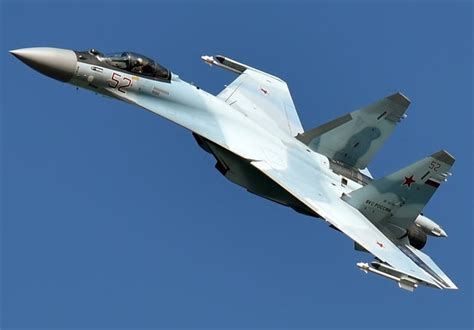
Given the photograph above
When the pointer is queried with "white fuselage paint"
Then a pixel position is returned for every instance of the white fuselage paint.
(212, 118)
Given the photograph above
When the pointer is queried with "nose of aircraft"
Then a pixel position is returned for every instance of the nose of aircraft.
(56, 63)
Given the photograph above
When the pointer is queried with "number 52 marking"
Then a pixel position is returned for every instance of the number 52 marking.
(435, 166)
(115, 82)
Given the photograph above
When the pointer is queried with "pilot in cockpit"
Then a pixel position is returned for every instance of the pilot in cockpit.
(143, 67)
(137, 64)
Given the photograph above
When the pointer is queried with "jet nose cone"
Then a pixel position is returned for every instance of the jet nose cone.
(56, 63)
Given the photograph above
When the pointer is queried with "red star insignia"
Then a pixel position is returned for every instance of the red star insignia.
(408, 181)
(380, 244)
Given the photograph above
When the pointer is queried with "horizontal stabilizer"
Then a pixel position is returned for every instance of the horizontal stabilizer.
(355, 138)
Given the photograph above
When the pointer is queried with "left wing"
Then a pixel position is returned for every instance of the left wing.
(259, 95)
(400, 262)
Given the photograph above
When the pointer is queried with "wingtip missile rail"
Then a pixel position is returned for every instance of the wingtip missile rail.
(404, 282)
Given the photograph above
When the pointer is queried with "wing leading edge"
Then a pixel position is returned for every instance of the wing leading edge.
(405, 264)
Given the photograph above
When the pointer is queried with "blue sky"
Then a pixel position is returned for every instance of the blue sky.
(113, 217)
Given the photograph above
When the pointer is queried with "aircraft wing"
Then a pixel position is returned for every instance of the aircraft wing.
(406, 265)
(259, 95)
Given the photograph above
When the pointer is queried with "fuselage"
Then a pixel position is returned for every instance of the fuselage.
(234, 136)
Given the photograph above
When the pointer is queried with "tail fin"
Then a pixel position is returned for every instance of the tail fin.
(355, 138)
(401, 196)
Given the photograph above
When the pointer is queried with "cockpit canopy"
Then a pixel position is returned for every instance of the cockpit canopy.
(137, 64)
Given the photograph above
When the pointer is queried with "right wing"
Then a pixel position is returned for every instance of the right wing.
(408, 264)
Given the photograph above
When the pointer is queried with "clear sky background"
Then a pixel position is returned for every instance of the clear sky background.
(114, 217)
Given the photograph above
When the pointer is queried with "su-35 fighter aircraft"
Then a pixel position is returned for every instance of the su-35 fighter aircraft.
(253, 131)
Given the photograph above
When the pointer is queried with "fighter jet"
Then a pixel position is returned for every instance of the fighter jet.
(253, 131)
